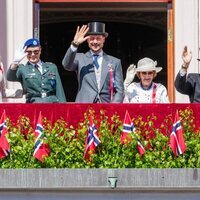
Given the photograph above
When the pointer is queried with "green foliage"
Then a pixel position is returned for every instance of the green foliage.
(67, 143)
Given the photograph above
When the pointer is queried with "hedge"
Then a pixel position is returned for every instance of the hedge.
(67, 143)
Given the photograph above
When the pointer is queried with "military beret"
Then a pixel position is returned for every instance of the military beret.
(33, 42)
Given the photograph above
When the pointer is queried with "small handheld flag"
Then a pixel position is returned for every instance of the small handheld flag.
(176, 142)
(41, 150)
(128, 127)
(92, 140)
(140, 148)
(4, 144)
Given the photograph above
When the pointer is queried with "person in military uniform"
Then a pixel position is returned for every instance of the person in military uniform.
(40, 80)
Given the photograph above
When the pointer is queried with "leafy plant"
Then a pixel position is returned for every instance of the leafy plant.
(67, 143)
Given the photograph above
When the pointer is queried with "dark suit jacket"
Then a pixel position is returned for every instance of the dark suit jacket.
(189, 85)
(87, 84)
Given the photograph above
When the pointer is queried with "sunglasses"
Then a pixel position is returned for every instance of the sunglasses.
(35, 52)
(146, 73)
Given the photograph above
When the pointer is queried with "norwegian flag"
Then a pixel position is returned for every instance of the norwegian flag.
(128, 127)
(4, 144)
(92, 140)
(176, 142)
(41, 150)
(140, 148)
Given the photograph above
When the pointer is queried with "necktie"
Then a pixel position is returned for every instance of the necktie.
(36, 66)
(95, 61)
(39, 67)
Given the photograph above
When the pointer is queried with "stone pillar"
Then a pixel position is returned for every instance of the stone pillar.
(186, 33)
(16, 20)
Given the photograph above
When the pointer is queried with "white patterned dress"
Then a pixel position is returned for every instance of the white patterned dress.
(157, 93)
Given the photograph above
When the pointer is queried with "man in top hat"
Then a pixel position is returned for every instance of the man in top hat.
(188, 84)
(40, 80)
(100, 78)
(144, 91)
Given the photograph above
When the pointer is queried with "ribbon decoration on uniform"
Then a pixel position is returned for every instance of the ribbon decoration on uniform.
(111, 82)
(154, 93)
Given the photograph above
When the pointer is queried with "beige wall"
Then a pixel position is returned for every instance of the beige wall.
(186, 33)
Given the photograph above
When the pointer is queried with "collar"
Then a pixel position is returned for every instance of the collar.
(144, 88)
(38, 63)
(100, 53)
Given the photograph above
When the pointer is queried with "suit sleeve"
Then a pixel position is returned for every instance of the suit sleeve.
(119, 85)
(59, 88)
(69, 63)
(184, 84)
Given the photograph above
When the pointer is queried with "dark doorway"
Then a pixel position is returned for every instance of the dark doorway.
(132, 35)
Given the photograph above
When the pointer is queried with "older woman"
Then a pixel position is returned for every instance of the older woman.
(145, 91)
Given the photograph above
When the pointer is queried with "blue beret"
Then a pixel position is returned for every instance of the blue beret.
(33, 42)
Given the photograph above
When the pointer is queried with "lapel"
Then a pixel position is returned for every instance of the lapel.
(89, 62)
(30, 68)
(105, 69)
(45, 68)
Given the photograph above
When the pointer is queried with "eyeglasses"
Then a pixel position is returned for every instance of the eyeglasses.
(147, 73)
(35, 52)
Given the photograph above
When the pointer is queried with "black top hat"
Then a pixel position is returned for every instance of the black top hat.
(97, 28)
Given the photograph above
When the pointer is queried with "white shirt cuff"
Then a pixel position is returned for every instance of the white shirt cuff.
(183, 72)
(73, 48)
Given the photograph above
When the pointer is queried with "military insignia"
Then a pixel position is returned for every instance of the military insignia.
(34, 42)
(53, 83)
(51, 74)
(31, 74)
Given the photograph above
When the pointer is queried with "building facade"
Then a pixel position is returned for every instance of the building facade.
(156, 28)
